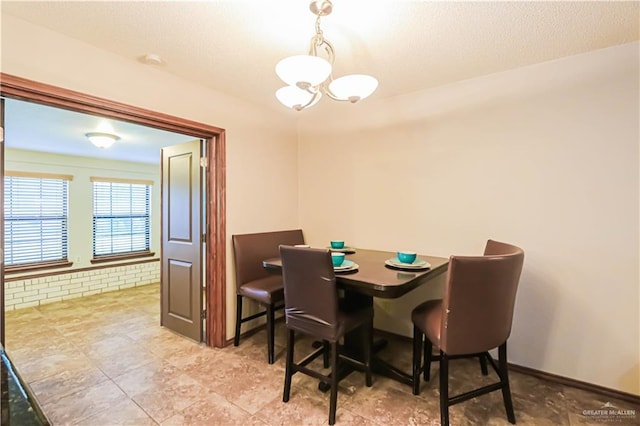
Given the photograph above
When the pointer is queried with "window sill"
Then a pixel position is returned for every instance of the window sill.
(18, 269)
(118, 257)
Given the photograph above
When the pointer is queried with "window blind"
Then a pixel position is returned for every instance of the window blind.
(35, 219)
(121, 218)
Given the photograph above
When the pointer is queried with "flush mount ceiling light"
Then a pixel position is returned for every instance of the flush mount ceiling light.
(102, 140)
(309, 76)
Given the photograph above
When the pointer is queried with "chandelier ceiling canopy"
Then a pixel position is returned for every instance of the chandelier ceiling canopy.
(308, 77)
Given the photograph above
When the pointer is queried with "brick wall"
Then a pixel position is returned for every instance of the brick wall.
(29, 292)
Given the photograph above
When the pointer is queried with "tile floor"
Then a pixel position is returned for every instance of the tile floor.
(104, 360)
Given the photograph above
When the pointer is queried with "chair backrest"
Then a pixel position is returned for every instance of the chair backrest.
(310, 294)
(249, 250)
(479, 299)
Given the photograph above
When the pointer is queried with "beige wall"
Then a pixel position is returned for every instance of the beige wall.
(261, 144)
(545, 157)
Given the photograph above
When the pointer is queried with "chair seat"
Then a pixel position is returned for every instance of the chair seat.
(428, 317)
(266, 290)
(311, 325)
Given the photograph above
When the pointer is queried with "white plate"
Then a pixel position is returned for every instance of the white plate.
(417, 264)
(346, 250)
(347, 265)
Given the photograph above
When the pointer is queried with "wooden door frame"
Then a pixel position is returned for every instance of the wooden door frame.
(215, 264)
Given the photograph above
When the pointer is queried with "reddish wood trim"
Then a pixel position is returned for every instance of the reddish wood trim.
(116, 257)
(2, 222)
(216, 256)
(589, 387)
(27, 267)
(71, 271)
(32, 91)
(246, 334)
(252, 331)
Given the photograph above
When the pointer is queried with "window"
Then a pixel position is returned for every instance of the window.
(121, 217)
(35, 219)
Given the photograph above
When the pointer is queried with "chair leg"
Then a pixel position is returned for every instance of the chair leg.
(504, 379)
(417, 352)
(368, 345)
(326, 354)
(236, 338)
(428, 347)
(483, 363)
(289, 366)
(334, 383)
(270, 334)
(444, 389)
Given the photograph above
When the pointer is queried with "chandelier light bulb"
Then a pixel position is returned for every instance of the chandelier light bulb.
(303, 70)
(295, 98)
(309, 76)
(353, 87)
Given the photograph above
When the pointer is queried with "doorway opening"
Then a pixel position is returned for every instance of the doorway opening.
(214, 255)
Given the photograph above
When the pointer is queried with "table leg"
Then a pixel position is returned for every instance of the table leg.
(353, 348)
(383, 368)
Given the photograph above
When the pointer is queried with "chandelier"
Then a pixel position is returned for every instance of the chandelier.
(310, 76)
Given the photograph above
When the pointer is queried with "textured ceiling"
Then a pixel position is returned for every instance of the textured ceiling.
(233, 46)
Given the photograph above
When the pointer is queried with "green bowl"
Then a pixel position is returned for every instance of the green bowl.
(407, 256)
(337, 244)
(337, 258)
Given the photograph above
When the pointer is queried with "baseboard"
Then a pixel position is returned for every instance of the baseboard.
(253, 331)
(590, 387)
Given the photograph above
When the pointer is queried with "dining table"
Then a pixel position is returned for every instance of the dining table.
(376, 276)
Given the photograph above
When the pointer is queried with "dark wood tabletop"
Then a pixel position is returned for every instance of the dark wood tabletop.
(374, 278)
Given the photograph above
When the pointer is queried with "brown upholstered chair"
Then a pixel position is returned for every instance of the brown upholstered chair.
(474, 316)
(253, 281)
(312, 307)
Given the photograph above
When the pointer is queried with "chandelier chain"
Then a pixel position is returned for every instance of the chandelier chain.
(318, 29)
(318, 41)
